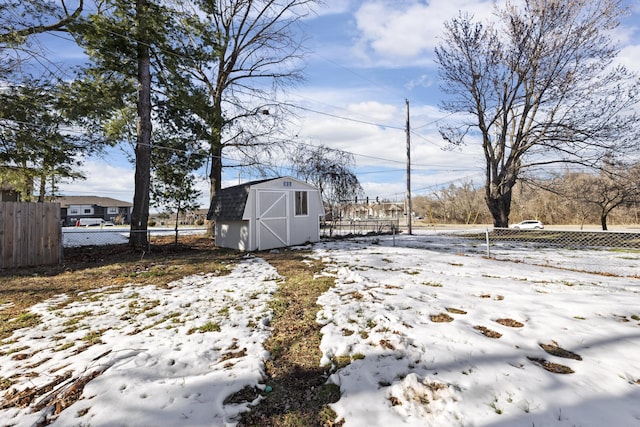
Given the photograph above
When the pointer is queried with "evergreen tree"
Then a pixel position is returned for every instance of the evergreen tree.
(37, 141)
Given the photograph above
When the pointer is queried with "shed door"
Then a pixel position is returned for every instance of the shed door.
(271, 218)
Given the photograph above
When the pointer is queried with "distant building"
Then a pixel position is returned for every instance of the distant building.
(373, 210)
(73, 208)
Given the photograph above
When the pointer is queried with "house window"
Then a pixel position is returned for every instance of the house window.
(80, 210)
(112, 210)
(302, 204)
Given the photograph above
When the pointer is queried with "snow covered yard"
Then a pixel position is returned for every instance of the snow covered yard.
(436, 338)
(152, 357)
(422, 333)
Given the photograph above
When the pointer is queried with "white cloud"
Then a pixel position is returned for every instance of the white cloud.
(374, 133)
(424, 80)
(104, 179)
(409, 30)
(629, 57)
(334, 7)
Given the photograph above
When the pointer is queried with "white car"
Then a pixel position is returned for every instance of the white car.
(530, 224)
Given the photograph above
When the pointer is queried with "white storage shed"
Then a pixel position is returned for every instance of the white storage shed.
(266, 214)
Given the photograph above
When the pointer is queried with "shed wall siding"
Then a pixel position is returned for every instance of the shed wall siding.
(233, 235)
(306, 228)
(277, 225)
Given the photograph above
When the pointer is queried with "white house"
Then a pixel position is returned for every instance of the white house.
(266, 214)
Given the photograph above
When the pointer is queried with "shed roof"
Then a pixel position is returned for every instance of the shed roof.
(228, 203)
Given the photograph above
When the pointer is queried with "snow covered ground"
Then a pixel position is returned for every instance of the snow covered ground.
(437, 334)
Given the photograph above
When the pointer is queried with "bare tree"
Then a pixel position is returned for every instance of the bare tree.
(615, 186)
(539, 86)
(238, 55)
(331, 172)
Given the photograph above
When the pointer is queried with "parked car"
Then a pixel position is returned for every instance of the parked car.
(89, 222)
(529, 224)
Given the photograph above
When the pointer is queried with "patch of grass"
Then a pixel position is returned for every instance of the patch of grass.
(300, 395)
(555, 350)
(433, 284)
(207, 327)
(5, 383)
(64, 346)
(340, 362)
(495, 407)
(16, 350)
(556, 368)
(93, 337)
(487, 332)
(25, 319)
(625, 250)
(510, 323)
(356, 295)
(441, 318)
(90, 268)
(71, 325)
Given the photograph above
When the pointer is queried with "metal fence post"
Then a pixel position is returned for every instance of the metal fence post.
(488, 244)
(393, 232)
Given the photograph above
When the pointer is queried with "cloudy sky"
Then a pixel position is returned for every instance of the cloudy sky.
(365, 60)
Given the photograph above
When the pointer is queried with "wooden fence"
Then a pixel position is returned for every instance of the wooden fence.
(30, 234)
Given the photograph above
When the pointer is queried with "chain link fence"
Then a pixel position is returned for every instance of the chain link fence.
(565, 239)
(590, 251)
(359, 227)
(96, 236)
(508, 238)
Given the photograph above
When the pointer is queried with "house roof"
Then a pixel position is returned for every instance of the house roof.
(65, 202)
(228, 203)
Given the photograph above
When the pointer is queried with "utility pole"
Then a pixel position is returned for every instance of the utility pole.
(409, 207)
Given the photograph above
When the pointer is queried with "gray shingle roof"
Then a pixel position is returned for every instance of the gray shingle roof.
(228, 204)
(90, 200)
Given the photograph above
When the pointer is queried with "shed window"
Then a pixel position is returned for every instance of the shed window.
(302, 204)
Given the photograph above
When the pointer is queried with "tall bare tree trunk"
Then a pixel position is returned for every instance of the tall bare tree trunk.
(500, 207)
(603, 220)
(140, 214)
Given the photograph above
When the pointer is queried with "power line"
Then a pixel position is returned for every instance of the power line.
(335, 116)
